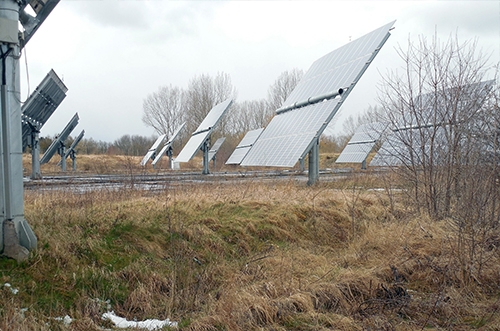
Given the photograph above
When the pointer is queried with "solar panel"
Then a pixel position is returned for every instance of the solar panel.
(60, 139)
(215, 148)
(168, 144)
(41, 104)
(361, 143)
(294, 131)
(409, 143)
(244, 146)
(412, 146)
(153, 149)
(200, 136)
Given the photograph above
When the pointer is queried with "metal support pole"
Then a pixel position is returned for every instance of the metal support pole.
(206, 162)
(35, 156)
(62, 152)
(6, 155)
(314, 163)
(16, 236)
(170, 154)
(72, 155)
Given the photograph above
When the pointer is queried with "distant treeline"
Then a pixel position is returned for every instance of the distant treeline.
(136, 145)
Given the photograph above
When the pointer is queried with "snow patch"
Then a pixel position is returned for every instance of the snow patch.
(150, 324)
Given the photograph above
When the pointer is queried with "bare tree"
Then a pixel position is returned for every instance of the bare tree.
(205, 92)
(163, 110)
(352, 122)
(444, 113)
(432, 106)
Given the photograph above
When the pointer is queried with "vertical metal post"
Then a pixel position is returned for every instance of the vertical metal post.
(35, 156)
(363, 165)
(206, 162)
(62, 152)
(314, 163)
(16, 235)
(72, 155)
(6, 155)
(170, 154)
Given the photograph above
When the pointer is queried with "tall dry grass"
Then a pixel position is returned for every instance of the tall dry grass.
(254, 255)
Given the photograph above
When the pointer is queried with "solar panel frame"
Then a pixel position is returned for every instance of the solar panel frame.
(215, 148)
(355, 153)
(153, 149)
(361, 143)
(203, 132)
(41, 104)
(244, 146)
(168, 144)
(401, 147)
(51, 150)
(291, 134)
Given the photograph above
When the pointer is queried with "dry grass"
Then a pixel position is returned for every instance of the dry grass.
(244, 256)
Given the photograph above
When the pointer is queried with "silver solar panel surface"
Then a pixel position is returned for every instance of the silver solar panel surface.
(408, 147)
(291, 134)
(355, 153)
(153, 149)
(244, 146)
(339, 68)
(52, 149)
(391, 153)
(41, 104)
(361, 143)
(168, 144)
(215, 148)
(204, 131)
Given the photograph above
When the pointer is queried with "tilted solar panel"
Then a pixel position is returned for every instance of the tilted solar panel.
(244, 146)
(292, 133)
(41, 104)
(215, 148)
(204, 131)
(153, 149)
(361, 143)
(168, 144)
(355, 153)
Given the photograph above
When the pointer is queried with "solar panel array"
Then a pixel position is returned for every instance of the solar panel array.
(361, 143)
(153, 149)
(41, 104)
(291, 134)
(203, 132)
(244, 146)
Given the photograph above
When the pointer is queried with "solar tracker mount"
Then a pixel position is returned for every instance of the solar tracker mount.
(294, 132)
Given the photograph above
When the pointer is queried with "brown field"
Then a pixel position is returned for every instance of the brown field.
(341, 255)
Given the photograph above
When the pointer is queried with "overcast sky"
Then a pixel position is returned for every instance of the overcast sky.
(112, 54)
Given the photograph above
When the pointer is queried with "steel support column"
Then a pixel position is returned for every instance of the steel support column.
(16, 236)
(206, 162)
(314, 163)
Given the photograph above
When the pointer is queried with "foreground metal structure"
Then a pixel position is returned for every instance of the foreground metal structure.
(16, 237)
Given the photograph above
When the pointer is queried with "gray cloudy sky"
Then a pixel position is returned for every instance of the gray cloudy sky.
(113, 53)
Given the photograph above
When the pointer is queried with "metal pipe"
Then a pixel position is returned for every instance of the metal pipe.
(312, 100)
